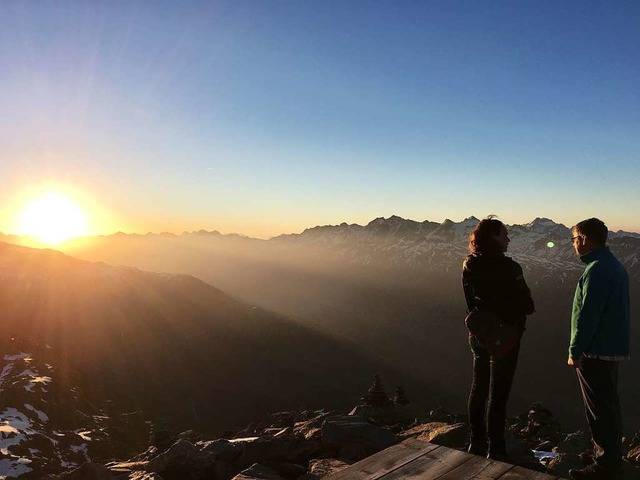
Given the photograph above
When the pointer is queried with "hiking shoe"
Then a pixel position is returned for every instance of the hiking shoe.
(499, 455)
(478, 448)
(595, 472)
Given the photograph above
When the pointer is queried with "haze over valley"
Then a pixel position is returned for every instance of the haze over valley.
(310, 317)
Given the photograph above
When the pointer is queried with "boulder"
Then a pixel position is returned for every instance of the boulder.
(454, 436)
(88, 471)
(634, 454)
(182, 461)
(221, 449)
(353, 451)
(144, 476)
(268, 448)
(257, 472)
(322, 467)
(564, 462)
(575, 443)
(162, 439)
(340, 431)
(287, 470)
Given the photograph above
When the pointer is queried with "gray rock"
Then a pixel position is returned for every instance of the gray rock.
(268, 448)
(322, 467)
(353, 451)
(88, 471)
(182, 456)
(444, 434)
(257, 472)
(221, 449)
(339, 431)
(144, 476)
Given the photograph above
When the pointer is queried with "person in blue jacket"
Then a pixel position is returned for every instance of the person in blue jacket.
(600, 330)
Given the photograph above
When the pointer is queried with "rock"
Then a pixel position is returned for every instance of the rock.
(144, 476)
(287, 470)
(564, 462)
(162, 439)
(634, 454)
(339, 431)
(125, 467)
(353, 451)
(322, 467)
(454, 436)
(268, 448)
(183, 457)
(441, 415)
(575, 443)
(147, 455)
(257, 472)
(283, 419)
(190, 436)
(382, 415)
(221, 449)
(313, 434)
(88, 471)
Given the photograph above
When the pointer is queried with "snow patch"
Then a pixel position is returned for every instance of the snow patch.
(41, 415)
(13, 358)
(84, 435)
(13, 467)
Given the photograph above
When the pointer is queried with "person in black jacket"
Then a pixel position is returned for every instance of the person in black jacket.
(495, 283)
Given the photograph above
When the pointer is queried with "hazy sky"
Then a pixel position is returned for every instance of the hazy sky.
(267, 116)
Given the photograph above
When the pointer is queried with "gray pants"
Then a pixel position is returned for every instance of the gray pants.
(599, 384)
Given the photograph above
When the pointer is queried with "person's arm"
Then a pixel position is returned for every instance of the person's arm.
(467, 286)
(587, 312)
(523, 292)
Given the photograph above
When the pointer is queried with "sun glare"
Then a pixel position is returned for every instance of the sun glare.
(53, 219)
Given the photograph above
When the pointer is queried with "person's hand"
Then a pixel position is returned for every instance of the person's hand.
(575, 363)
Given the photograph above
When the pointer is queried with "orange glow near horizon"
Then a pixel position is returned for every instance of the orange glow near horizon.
(53, 218)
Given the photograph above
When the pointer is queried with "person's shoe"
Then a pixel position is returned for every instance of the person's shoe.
(478, 448)
(499, 455)
(595, 472)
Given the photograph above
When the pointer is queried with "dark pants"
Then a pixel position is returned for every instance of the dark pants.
(599, 384)
(490, 390)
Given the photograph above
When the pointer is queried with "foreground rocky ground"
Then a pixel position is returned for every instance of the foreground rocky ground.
(311, 445)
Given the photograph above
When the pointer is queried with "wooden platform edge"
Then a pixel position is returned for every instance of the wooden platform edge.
(402, 455)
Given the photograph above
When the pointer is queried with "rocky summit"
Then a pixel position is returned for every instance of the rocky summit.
(309, 445)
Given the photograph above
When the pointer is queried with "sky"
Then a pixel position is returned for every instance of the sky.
(270, 116)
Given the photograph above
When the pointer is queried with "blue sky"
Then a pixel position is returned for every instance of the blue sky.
(267, 117)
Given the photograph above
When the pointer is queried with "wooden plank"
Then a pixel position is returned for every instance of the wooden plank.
(519, 473)
(429, 466)
(477, 468)
(380, 463)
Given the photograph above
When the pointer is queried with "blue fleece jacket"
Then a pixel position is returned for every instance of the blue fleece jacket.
(600, 317)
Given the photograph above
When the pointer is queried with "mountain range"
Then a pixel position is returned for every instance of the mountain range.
(216, 330)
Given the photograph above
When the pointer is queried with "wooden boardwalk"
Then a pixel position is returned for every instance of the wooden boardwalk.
(417, 460)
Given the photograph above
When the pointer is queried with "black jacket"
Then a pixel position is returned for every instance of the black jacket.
(496, 283)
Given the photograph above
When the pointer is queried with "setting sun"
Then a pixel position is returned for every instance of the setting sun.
(53, 219)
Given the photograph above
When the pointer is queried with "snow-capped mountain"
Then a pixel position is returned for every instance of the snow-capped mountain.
(542, 245)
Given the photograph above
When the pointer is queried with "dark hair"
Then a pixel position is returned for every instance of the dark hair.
(594, 229)
(482, 239)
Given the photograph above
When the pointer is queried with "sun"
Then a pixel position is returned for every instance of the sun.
(53, 218)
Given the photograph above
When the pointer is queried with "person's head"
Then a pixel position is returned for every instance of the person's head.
(588, 235)
(489, 237)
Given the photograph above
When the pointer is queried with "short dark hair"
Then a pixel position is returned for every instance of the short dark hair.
(482, 239)
(594, 229)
